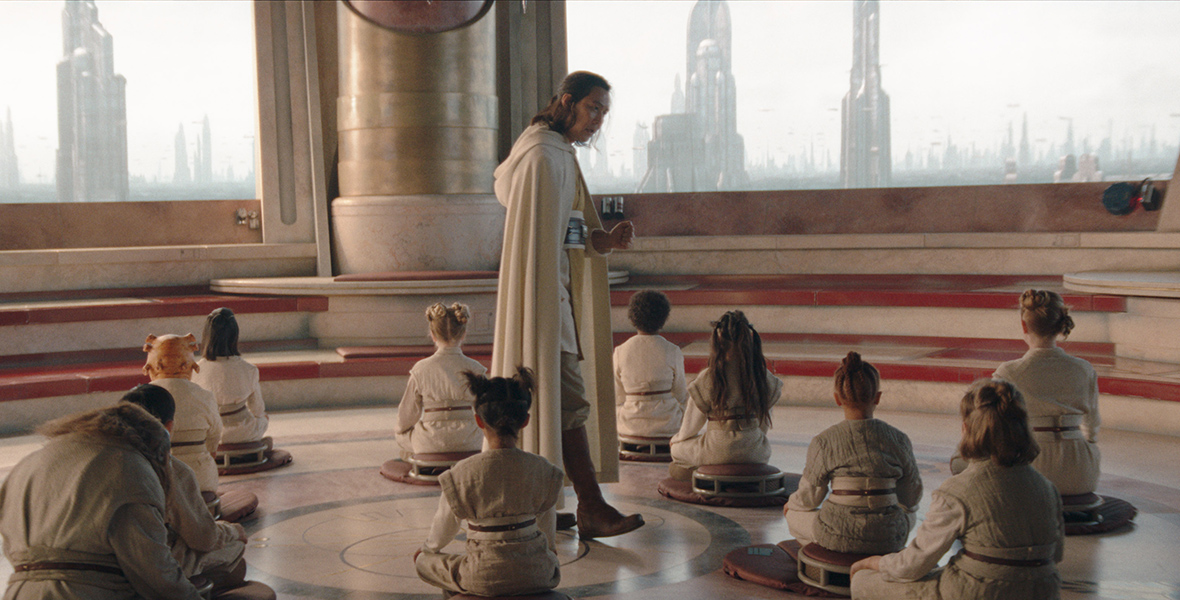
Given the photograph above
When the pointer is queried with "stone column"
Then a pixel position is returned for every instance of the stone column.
(417, 120)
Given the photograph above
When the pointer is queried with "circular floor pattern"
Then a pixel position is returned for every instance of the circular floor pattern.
(362, 548)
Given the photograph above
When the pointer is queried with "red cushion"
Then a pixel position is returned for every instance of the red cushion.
(832, 557)
(258, 445)
(644, 439)
(748, 470)
(417, 275)
(253, 590)
(550, 595)
(1080, 499)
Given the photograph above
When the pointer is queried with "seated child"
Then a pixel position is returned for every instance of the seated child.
(730, 400)
(1061, 393)
(435, 414)
(201, 545)
(857, 455)
(1006, 514)
(650, 389)
(507, 497)
(197, 429)
(233, 381)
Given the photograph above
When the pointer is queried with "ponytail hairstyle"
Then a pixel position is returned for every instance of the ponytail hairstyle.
(503, 403)
(857, 382)
(220, 337)
(1045, 313)
(448, 324)
(736, 351)
(559, 117)
(996, 424)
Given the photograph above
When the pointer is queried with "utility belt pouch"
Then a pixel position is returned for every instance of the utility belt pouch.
(576, 232)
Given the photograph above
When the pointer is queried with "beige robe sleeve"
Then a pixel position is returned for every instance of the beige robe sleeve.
(945, 522)
(137, 535)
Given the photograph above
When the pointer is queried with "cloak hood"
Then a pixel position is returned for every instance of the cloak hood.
(532, 136)
(123, 423)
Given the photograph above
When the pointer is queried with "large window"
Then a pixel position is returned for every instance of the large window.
(806, 95)
(122, 100)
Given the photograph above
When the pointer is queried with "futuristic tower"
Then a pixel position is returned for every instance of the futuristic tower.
(91, 111)
(865, 157)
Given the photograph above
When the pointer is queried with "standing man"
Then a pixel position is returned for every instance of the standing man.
(552, 302)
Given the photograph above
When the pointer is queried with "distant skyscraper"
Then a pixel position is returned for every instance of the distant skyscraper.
(639, 150)
(865, 153)
(181, 174)
(9, 174)
(677, 97)
(704, 152)
(1024, 159)
(204, 173)
(91, 111)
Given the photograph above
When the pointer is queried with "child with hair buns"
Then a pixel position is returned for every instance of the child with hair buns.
(870, 467)
(435, 413)
(650, 387)
(506, 497)
(730, 400)
(1062, 395)
(1006, 514)
(233, 380)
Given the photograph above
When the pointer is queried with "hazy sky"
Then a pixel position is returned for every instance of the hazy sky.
(949, 68)
(182, 60)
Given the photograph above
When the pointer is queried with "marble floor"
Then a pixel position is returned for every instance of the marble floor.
(330, 527)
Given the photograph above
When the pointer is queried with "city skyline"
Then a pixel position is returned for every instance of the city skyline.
(976, 68)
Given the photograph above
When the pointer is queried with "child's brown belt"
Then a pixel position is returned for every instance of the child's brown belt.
(1057, 429)
(1007, 562)
(446, 408)
(497, 528)
(66, 566)
(655, 393)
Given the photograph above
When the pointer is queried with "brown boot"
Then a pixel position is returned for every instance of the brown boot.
(596, 518)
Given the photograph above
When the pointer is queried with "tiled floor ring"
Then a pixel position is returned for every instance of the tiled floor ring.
(365, 545)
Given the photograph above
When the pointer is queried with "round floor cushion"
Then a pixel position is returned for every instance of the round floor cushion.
(771, 566)
(399, 470)
(274, 459)
(1116, 513)
(237, 504)
(550, 595)
(253, 590)
(682, 491)
(831, 557)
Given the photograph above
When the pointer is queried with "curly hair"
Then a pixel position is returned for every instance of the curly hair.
(648, 311)
(996, 424)
(857, 382)
(1045, 313)
(503, 403)
(448, 323)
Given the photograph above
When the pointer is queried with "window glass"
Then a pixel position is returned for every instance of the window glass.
(824, 94)
(126, 100)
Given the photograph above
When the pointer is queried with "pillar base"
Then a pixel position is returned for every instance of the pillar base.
(417, 233)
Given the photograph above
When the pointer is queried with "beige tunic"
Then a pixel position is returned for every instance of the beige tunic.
(199, 543)
(539, 184)
(196, 429)
(1060, 390)
(234, 383)
(733, 441)
(856, 448)
(1003, 512)
(645, 364)
(497, 487)
(90, 499)
(435, 412)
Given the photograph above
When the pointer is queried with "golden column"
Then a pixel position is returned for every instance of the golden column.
(417, 123)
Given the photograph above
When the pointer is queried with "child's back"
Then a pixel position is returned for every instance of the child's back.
(502, 489)
(650, 387)
(435, 412)
(235, 384)
(850, 456)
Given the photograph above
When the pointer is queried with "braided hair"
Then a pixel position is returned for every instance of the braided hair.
(736, 351)
(996, 424)
(857, 382)
(448, 323)
(503, 403)
(1045, 313)
(220, 337)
